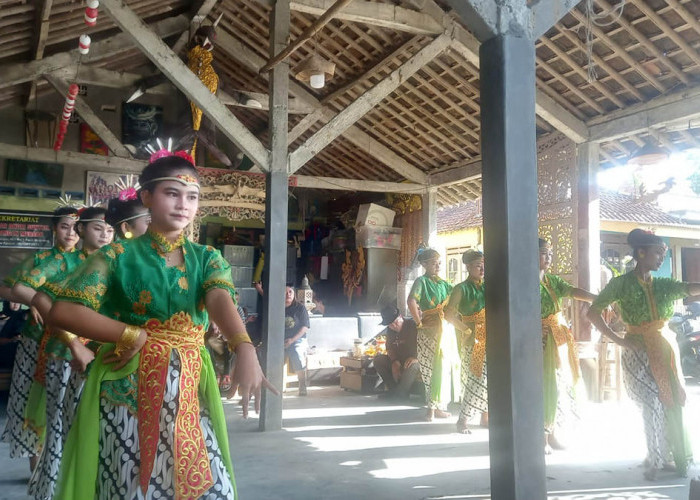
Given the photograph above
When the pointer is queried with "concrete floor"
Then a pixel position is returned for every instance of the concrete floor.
(341, 445)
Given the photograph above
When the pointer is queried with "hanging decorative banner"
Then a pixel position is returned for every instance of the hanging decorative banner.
(65, 117)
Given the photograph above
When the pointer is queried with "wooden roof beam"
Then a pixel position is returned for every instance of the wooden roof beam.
(89, 116)
(175, 70)
(42, 35)
(468, 47)
(199, 18)
(14, 74)
(354, 134)
(306, 181)
(364, 103)
(663, 111)
(384, 15)
(46, 155)
(459, 173)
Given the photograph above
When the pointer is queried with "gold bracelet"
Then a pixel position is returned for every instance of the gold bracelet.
(129, 337)
(66, 337)
(238, 339)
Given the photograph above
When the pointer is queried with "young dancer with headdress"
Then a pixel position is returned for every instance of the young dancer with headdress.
(650, 361)
(436, 339)
(150, 423)
(58, 378)
(561, 366)
(126, 213)
(467, 312)
(26, 441)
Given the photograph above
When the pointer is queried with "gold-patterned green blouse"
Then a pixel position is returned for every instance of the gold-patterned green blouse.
(430, 292)
(631, 294)
(44, 265)
(129, 281)
(559, 287)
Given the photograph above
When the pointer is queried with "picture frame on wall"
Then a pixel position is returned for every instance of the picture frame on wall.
(100, 187)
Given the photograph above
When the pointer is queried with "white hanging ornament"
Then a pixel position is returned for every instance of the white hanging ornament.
(84, 44)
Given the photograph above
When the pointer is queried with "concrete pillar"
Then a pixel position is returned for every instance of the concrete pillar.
(588, 207)
(509, 177)
(276, 220)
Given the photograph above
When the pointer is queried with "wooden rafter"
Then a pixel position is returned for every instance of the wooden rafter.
(306, 35)
(364, 103)
(89, 116)
(176, 71)
(13, 74)
(201, 15)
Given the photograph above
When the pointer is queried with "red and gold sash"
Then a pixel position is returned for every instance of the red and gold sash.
(193, 476)
(434, 317)
(479, 349)
(556, 324)
(662, 360)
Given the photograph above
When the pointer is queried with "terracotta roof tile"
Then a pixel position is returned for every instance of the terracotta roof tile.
(614, 207)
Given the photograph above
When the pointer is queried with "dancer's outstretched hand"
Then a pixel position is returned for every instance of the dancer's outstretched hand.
(248, 377)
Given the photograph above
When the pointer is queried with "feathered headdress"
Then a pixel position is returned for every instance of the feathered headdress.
(128, 187)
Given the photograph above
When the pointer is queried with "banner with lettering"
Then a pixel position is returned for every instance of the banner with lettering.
(25, 230)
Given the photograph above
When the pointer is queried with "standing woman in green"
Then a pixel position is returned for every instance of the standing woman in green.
(653, 376)
(54, 376)
(428, 297)
(561, 366)
(25, 440)
(150, 423)
(467, 312)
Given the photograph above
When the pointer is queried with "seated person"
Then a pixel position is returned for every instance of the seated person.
(220, 356)
(14, 317)
(296, 324)
(399, 367)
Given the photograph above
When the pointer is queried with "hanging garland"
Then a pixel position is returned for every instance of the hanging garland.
(84, 41)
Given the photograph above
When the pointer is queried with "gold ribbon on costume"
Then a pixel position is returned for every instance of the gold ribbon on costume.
(193, 476)
(556, 324)
(479, 350)
(660, 352)
(435, 315)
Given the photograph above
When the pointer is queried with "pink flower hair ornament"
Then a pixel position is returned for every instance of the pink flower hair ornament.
(164, 153)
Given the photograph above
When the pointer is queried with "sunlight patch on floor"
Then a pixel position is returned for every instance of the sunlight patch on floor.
(402, 468)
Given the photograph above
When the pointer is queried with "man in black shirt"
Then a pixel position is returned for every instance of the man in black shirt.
(399, 367)
(296, 324)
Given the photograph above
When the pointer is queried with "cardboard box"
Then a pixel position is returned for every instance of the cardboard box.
(378, 237)
(371, 214)
(355, 381)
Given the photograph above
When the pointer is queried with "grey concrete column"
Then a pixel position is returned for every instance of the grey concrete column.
(276, 220)
(588, 207)
(516, 420)
(429, 216)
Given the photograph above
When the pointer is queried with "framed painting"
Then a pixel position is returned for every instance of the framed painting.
(142, 124)
(101, 186)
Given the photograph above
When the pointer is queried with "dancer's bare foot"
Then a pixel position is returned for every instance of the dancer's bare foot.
(442, 413)
(484, 419)
(650, 474)
(555, 443)
(430, 415)
(547, 448)
(462, 426)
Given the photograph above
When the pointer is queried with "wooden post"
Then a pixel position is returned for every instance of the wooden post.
(514, 353)
(276, 219)
(588, 207)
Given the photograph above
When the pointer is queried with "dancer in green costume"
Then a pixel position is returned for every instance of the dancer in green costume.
(150, 422)
(30, 275)
(437, 345)
(562, 372)
(54, 378)
(652, 371)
